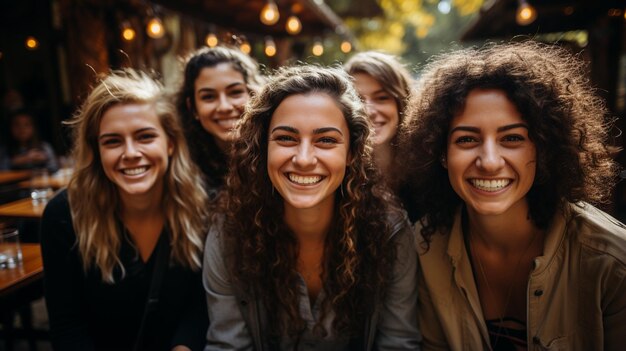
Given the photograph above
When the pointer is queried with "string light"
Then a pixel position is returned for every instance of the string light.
(346, 47)
(525, 14)
(293, 25)
(211, 40)
(155, 28)
(444, 6)
(318, 48)
(32, 43)
(128, 33)
(270, 47)
(245, 48)
(269, 13)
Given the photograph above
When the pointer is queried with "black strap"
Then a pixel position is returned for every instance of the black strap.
(162, 260)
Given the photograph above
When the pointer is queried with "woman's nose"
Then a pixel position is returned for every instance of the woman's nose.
(305, 156)
(224, 104)
(130, 150)
(490, 158)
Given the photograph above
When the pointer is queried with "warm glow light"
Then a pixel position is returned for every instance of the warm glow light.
(525, 14)
(346, 47)
(270, 14)
(270, 47)
(128, 34)
(293, 25)
(318, 48)
(211, 40)
(155, 28)
(32, 43)
(245, 48)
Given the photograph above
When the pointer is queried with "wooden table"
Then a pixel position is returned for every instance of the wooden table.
(23, 208)
(13, 176)
(30, 272)
(56, 181)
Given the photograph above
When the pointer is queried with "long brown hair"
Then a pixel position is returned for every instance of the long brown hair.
(264, 251)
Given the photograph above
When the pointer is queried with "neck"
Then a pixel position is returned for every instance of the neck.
(504, 232)
(141, 206)
(383, 155)
(310, 225)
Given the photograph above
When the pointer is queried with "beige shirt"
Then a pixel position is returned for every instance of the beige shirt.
(576, 291)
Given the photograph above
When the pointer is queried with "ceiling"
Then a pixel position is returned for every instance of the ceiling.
(243, 15)
(497, 17)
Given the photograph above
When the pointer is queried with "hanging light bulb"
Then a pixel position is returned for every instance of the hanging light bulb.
(270, 14)
(128, 33)
(155, 28)
(211, 40)
(444, 6)
(293, 25)
(318, 48)
(245, 47)
(525, 14)
(346, 47)
(32, 43)
(270, 47)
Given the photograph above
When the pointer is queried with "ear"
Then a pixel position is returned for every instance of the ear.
(190, 108)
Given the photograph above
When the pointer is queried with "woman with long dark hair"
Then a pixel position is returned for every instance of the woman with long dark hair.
(310, 252)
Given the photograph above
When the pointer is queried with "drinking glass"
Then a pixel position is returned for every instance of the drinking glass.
(40, 189)
(10, 250)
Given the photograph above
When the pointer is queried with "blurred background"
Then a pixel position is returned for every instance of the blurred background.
(51, 51)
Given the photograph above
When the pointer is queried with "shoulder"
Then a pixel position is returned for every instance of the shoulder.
(58, 207)
(597, 231)
(214, 245)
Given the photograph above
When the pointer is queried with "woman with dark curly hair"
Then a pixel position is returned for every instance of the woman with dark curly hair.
(310, 252)
(507, 153)
(217, 84)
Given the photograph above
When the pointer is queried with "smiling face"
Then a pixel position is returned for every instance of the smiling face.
(491, 161)
(220, 94)
(308, 150)
(381, 107)
(134, 150)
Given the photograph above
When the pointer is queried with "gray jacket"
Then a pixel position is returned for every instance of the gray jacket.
(392, 325)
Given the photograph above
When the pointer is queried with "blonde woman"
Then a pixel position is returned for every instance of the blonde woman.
(128, 229)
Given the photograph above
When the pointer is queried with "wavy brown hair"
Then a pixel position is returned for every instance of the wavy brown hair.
(204, 150)
(567, 122)
(94, 199)
(264, 251)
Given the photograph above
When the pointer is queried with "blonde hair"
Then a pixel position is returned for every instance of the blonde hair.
(94, 199)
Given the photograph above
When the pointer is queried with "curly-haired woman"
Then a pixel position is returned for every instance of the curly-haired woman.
(507, 154)
(122, 247)
(311, 253)
(217, 84)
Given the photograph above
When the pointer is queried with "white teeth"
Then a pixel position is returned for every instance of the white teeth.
(227, 123)
(490, 185)
(134, 171)
(304, 180)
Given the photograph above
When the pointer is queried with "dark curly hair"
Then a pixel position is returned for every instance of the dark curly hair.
(567, 122)
(204, 150)
(263, 249)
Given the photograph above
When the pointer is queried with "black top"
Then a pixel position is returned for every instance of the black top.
(89, 314)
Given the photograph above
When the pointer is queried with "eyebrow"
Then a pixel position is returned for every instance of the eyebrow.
(229, 86)
(315, 131)
(108, 135)
(500, 129)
